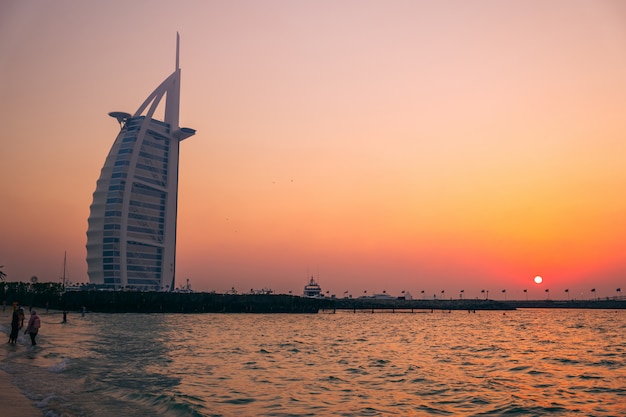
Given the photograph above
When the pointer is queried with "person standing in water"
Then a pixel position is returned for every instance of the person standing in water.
(20, 314)
(33, 326)
(15, 324)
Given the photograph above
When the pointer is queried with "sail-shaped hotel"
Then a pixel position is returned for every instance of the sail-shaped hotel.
(131, 236)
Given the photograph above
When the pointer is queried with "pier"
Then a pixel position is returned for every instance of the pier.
(420, 306)
(413, 306)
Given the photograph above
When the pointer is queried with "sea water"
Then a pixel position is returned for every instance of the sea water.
(518, 363)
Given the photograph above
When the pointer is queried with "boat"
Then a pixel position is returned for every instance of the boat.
(313, 289)
(383, 296)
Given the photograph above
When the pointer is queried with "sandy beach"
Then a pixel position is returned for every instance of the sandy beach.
(14, 402)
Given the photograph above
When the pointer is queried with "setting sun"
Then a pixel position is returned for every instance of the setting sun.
(538, 280)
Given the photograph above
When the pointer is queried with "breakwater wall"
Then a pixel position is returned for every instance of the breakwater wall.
(161, 302)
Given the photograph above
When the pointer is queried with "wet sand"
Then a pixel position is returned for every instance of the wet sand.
(14, 402)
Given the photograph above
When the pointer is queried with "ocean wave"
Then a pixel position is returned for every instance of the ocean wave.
(60, 366)
(105, 367)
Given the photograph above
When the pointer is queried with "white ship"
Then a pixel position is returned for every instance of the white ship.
(312, 289)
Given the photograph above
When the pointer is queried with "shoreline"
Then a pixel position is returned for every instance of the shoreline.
(14, 402)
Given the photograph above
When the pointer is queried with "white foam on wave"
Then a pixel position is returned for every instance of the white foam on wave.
(44, 403)
(60, 367)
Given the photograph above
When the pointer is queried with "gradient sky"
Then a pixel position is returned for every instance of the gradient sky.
(378, 145)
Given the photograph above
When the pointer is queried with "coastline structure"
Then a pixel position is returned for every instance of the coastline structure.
(131, 235)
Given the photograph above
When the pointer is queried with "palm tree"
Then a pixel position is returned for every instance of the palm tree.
(2, 274)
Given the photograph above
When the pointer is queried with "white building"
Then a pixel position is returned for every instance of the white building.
(131, 237)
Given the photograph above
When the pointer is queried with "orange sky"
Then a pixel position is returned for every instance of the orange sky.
(404, 145)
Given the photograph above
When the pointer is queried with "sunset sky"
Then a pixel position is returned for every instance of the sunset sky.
(378, 145)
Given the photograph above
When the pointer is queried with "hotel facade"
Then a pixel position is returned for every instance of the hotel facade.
(131, 235)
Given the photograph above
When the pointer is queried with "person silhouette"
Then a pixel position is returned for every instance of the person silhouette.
(34, 323)
(15, 324)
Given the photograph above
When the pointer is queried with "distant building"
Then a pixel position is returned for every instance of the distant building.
(131, 236)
